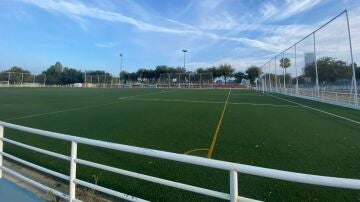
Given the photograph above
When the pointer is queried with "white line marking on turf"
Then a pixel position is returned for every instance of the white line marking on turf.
(261, 104)
(63, 111)
(123, 99)
(140, 95)
(247, 94)
(212, 102)
(318, 110)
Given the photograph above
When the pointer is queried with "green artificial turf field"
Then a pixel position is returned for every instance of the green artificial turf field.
(257, 129)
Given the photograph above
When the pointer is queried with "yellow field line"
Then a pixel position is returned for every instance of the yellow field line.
(211, 150)
(193, 150)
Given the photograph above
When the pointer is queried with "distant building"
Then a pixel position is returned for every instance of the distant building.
(309, 58)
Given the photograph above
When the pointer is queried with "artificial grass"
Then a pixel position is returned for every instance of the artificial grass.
(286, 137)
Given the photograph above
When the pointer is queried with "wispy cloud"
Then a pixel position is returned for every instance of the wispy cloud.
(107, 45)
(289, 8)
(76, 10)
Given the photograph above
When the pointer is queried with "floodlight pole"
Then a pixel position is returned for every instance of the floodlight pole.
(352, 61)
(121, 68)
(184, 51)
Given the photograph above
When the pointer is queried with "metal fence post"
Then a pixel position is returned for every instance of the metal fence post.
(352, 61)
(283, 66)
(317, 93)
(72, 186)
(1, 148)
(233, 186)
(276, 82)
(9, 79)
(265, 79)
(296, 73)
(270, 77)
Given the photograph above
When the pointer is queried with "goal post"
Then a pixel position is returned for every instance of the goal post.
(186, 80)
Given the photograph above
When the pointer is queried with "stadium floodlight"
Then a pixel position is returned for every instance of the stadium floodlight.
(121, 67)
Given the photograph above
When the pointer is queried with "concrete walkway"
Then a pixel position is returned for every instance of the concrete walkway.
(9, 191)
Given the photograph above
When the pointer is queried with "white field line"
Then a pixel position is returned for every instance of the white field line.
(246, 94)
(140, 95)
(261, 104)
(212, 102)
(63, 111)
(123, 99)
(315, 109)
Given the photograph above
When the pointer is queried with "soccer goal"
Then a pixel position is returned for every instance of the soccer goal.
(22, 79)
(104, 81)
(186, 80)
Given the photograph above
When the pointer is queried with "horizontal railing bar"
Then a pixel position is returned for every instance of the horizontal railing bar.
(246, 169)
(43, 151)
(108, 191)
(34, 183)
(45, 170)
(169, 183)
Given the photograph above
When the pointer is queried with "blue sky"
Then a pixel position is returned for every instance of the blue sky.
(90, 34)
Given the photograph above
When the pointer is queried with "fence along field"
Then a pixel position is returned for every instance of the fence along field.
(321, 66)
(257, 129)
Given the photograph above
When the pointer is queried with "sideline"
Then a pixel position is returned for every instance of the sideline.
(315, 109)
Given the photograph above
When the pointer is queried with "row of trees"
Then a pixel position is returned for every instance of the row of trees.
(57, 74)
(330, 70)
(224, 71)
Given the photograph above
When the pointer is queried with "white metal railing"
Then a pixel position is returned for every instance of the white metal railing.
(232, 168)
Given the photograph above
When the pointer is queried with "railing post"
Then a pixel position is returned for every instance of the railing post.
(72, 186)
(1, 148)
(233, 186)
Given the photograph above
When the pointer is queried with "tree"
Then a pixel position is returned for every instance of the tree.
(253, 72)
(71, 76)
(53, 74)
(200, 70)
(239, 76)
(215, 72)
(141, 74)
(285, 63)
(124, 76)
(329, 69)
(133, 77)
(17, 69)
(226, 71)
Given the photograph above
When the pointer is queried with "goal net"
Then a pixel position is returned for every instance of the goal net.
(186, 80)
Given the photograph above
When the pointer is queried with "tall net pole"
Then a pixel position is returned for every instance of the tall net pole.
(316, 69)
(352, 61)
